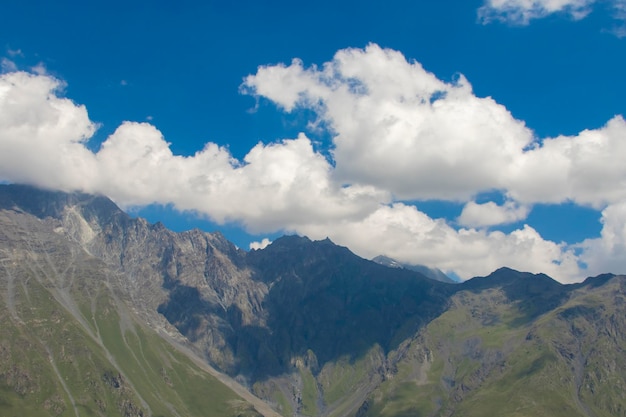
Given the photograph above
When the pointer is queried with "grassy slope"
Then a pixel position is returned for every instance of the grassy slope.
(335, 390)
(483, 358)
(52, 365)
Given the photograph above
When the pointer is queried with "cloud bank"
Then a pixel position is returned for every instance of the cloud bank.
(400, 135)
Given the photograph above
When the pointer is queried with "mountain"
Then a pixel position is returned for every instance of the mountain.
(432, 273)
(515, 344)
(104, 314)
(74, 338)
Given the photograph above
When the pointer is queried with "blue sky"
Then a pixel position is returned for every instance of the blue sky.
(465, 135)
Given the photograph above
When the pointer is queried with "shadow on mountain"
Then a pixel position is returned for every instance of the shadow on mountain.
(535, 294)
(322, 299)
(595, 282)
(187, 310)
(327, 300)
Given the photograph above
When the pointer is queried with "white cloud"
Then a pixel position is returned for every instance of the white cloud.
(6, 65)
(260, 245)
(279, 185)
(397, 126)
(42, 135)
(39, 69)
(275, 186)
(606, 253)
(490, 214)
(620, 31)
(619, 8)
(408, 235)
(587, 168)
(399, 133)
(522, 11)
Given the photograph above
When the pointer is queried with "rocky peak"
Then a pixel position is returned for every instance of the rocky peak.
(45, 203)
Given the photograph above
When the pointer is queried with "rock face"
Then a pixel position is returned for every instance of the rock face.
(79, 335)
(306, 325)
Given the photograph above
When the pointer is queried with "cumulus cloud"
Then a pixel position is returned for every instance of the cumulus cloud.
(490, 214)
(399, 134)
(409, 235)
(260, 245)
(585, 168)
(606, 253)
(278, 185)
(42, 135)
(39, 69)
(397, 126)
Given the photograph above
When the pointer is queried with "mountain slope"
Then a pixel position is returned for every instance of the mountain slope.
(493, 353)
(70, 342)
(104, 314)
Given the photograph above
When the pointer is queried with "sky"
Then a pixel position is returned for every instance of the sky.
(465, 135)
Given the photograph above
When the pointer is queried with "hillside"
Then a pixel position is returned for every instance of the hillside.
(104, 314)
(72, 342)
(496, 352)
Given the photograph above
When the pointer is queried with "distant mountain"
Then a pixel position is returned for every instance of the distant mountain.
(432, 273)
(104, 314)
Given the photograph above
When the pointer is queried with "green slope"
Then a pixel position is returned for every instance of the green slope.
(486, 356)
(69, 345)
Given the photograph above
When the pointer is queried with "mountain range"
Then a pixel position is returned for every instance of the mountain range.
(106, 314)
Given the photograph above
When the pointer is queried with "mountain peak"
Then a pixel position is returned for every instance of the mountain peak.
(46, 203)
(506, 276)
(387, 261)
(290, 240)
(597, 281)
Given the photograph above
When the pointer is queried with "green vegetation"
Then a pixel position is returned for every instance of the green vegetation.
(52, 365)
(485, 361)
(309, 393)
(342, 378)
(283, 404)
